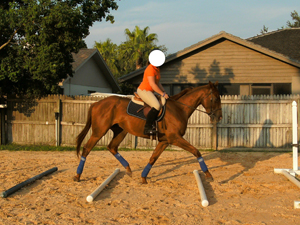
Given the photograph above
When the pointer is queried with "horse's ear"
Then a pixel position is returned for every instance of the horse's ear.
(210, 84)
(216, 84)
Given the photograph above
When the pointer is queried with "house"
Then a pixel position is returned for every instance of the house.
(91, 74)
(241, 67)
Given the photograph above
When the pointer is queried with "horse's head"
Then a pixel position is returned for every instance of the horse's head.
(212, 102)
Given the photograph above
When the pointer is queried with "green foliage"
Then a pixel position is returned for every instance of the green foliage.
(296, 20)
(127, 89)
(38, 38)
(264, 30)
(16, 147)
(140, 43)
(130, 55)
(109, 52)
(296, 23)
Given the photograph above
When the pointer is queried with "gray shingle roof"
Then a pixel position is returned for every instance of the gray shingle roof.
(81, 57)
(284, 41)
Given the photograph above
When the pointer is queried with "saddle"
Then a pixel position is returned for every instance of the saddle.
(138, 108)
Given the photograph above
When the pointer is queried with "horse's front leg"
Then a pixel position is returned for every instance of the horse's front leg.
(155, 155)
(182, 143)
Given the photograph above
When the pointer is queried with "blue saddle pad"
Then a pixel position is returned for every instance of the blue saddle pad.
(133, 110)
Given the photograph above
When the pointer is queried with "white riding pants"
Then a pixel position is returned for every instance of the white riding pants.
(149, 98)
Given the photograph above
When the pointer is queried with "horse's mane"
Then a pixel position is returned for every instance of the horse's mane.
(190, 89)
(180, 94)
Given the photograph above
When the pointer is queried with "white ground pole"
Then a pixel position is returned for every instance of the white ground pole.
(291, 173)
(96, 192)
(201, 189)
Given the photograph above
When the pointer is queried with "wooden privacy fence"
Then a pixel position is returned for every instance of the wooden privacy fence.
(248, 122)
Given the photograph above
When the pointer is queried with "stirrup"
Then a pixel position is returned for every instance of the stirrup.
(150, 132)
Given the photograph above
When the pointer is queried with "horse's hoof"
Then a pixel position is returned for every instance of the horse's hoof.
(76, 178)
(128, 171)
(208, 177)
(144, 180)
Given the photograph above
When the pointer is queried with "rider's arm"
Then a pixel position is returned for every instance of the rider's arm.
(157, 88)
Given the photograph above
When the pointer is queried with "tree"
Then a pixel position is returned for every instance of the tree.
(140, 43)
(296, 23)
(296, 20)
(264, 30)
(109, 52)
(38, 38)
(131, 54)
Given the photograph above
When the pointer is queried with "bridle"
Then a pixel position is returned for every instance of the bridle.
(211, 113)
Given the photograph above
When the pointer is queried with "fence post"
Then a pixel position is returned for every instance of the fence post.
(2, 124)
(133, 142)
(295, 136)
(57, 121)
(214, 136)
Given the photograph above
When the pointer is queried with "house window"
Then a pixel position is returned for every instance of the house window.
(261, 89)
(255, 89)
(229, 89)
(282, 89)
(167, 88)
(91, 92)
(176, 89)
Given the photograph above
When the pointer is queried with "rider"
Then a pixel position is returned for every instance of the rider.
(151, 84)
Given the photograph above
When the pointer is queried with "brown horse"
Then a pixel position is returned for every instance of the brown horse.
(110, 113)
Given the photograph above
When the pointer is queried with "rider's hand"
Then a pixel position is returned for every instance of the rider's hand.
(166, 96)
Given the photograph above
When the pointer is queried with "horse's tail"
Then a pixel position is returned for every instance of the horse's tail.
(85, 130)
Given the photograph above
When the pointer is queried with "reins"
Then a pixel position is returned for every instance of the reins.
(211, 111)
(188, 106)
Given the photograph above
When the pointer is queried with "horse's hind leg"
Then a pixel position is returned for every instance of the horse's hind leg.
(119, 135)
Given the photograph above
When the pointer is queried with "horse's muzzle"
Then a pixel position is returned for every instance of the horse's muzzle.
(214, 118)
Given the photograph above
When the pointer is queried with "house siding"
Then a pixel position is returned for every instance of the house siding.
(227, 62)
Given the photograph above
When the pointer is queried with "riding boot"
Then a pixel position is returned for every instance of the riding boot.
(152, 115)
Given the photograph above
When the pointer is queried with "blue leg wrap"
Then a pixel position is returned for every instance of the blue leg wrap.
(202, 164)
(121, 160)
(146, 170)
(81, 165)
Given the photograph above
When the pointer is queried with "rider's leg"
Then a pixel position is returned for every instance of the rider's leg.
(152, 115)
(149, 98)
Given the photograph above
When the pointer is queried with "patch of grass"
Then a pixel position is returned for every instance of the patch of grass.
(16, 147)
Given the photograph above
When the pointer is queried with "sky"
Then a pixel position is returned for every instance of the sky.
(182, 23)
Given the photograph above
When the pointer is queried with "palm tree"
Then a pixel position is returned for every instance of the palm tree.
(140, 43)
(109, 52)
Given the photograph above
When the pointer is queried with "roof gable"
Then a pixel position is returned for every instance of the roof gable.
(205, 43)
(81, 57)
(84, 55)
